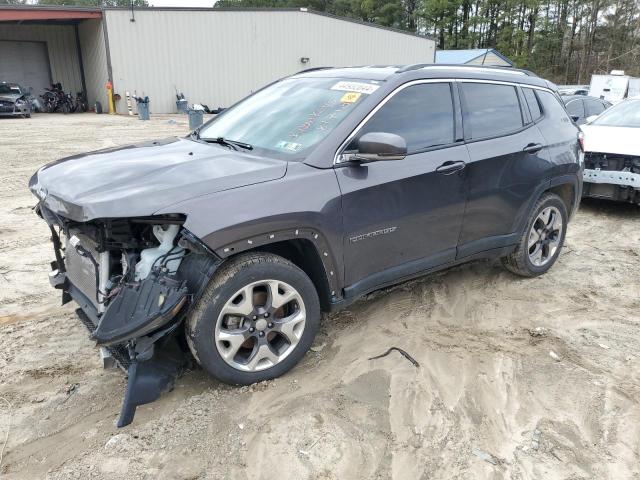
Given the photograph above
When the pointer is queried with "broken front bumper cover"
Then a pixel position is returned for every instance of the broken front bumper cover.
(140, 326)
(612, 177)
(136, 310)
(153, 305)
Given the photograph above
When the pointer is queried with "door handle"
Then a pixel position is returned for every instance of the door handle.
(533, 148)
(449, 167)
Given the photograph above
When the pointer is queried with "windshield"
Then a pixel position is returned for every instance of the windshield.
(9, 89)
(290, 116)
(625, 114)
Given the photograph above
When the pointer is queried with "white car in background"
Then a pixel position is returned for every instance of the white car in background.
(612, 153)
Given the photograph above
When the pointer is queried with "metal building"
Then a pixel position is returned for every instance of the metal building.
(213, 56)
(476, 56)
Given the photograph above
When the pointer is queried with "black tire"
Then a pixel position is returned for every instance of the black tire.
(518, 261)
(233, 276)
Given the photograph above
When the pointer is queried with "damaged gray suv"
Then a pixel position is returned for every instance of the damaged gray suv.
(226, 246)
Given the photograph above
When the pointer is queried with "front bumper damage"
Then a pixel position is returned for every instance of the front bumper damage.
(138, 323)
(14, 107)
(612, 177)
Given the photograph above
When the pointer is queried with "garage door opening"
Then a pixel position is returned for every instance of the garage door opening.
(40, 46)
(25, 63)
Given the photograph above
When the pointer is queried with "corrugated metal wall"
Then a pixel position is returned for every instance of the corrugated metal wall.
(61, 44)
(94, 59)
(218, 57)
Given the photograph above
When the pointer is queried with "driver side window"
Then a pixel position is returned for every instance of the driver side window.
(422, 114)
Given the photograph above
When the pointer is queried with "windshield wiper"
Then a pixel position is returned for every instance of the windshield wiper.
(229, 143)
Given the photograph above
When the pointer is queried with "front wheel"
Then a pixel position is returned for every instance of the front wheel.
(255, 321)
(541, 240)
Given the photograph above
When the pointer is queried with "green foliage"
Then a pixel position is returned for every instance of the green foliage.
(565, 40)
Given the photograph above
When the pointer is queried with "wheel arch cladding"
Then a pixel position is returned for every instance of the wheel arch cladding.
(306, 254)
(567, 192)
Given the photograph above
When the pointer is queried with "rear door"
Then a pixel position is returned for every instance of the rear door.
(508, 160)
(403, 216)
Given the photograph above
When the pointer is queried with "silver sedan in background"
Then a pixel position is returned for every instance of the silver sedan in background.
(14, 100)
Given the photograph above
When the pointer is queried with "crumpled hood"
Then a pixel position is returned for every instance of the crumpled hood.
(618, 140)
(139, 180)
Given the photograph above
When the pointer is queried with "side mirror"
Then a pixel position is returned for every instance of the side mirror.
(591, 118)
(378, 146)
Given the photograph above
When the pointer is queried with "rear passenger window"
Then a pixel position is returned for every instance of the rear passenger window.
(491, 110)
(532, 102)
(594, 107)
(575, 108)
(421, 114)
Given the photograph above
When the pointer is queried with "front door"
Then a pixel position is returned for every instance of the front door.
(404, 216)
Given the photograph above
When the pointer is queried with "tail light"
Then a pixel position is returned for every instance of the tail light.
(581, 141)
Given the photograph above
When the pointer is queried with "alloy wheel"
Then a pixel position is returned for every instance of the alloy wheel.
(260, 325)
(545, 236)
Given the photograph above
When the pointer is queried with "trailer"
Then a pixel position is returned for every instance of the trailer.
(614, 87)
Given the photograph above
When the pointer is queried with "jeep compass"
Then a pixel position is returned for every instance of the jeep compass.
(226, 246)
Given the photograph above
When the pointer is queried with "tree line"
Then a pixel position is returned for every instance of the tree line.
(564, 40)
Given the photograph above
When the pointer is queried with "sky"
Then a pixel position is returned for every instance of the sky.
(181, 3)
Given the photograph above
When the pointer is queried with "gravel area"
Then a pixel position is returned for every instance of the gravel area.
(518, 378)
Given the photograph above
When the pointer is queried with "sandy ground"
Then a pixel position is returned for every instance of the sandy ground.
(489, 401)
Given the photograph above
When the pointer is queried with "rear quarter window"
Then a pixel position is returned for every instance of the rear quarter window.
(490, 110)
(552, 107)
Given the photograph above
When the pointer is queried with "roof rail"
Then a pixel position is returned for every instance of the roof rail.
(415, 66)
(505, 69)
(312, 69)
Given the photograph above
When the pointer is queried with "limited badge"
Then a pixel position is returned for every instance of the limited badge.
(350, 97)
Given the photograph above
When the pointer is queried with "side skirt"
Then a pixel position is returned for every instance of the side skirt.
(352, 295)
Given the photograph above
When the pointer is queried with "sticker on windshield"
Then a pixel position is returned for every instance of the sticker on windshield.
(289, 146)
(350, 97)
(357, 87)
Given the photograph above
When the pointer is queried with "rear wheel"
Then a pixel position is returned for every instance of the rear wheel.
(542, 239)
(255, 321)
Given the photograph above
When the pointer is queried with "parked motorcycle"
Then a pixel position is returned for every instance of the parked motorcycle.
(55, 99)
